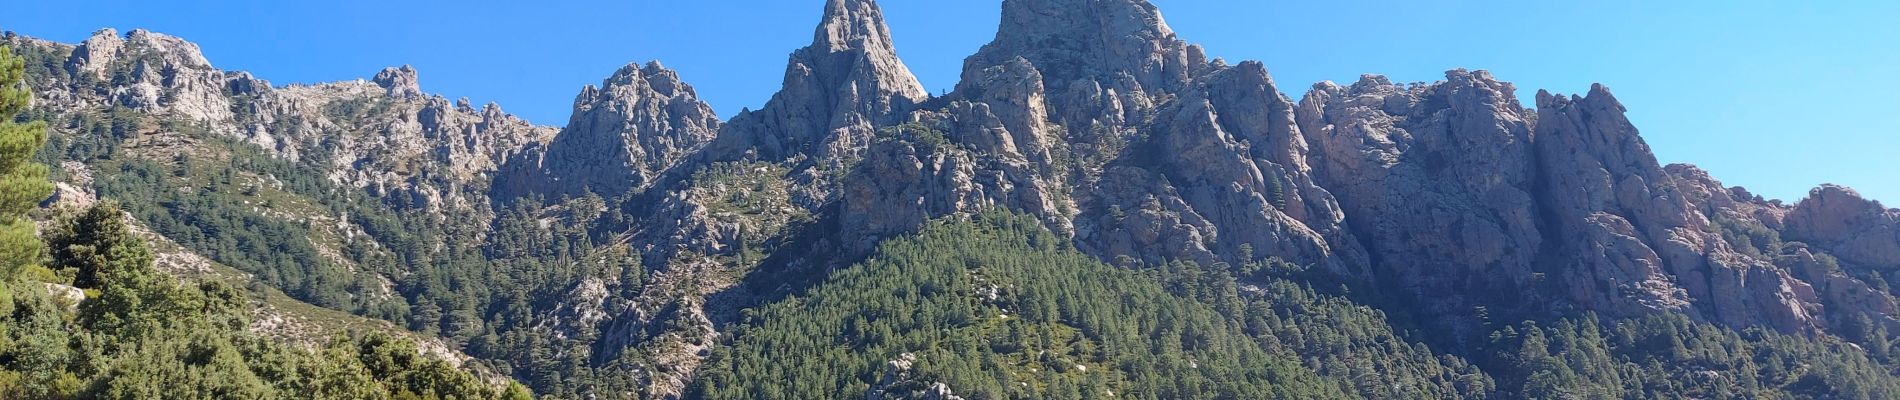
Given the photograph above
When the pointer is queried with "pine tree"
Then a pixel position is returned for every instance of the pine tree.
(23, 183)
(98, 246)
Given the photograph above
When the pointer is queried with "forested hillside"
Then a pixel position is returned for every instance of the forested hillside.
(85, 314)
(99, 321)
(997, 307)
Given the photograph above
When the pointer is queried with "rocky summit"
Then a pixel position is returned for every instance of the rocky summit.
(1099, 209)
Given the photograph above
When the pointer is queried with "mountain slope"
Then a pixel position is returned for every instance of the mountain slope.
(612, 256)
(994, 306)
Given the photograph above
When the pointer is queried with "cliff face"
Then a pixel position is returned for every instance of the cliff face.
(1106, 61)
(837, 91)
(1096, 118)
(623, 134)
(1438, 180)
(1856, 229)
(1634, 243)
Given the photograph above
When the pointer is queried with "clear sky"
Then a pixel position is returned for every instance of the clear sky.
(1777, 96)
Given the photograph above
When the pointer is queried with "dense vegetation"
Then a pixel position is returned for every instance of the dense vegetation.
(1671, 357)
(137, 333)
(269, 217)
(22, 182)
(997, 307)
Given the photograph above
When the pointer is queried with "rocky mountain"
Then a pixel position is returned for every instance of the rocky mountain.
(625, 132)
(632, 246)
(384, 136)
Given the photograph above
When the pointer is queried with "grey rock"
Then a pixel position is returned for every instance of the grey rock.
(1228, 160)
(1013, 94)
(1091, 115)
(1836, 290)
(401, 82)
(636, 124)
(147, 72)
(1858, 230)
(836, 92)
(907, 179)
(898, 382)
(1643, 246)
(1109, 60)
(385, 137)
(1828, 288)
(1435, 179)
(67, 195)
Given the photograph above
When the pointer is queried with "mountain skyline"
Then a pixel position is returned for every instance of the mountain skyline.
(1709, 86)
(1100, 207)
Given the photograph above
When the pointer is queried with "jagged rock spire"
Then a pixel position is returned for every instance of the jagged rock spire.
(96, 54)
(1633, 241)
(1624, 228)
(836, 91)
(399, 81)
(1103, 61)
(1075, 39)
(854, 45)
(638, 122)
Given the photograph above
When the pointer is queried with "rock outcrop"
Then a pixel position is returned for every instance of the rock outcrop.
(143, 71)
(1838, 291)
(1465, 198)
(635, 125)
(1602, 188)
(987, 149)
(1104, 61)
(916, 174)
(1222, 173)
(422, 151)
(837, 92)
(1858, 230)
(899, 382)
(1005, 111)
(1436, 179)
(701, 208)
(400, 82)
(384, 135)
(1760, 228)
(1631, 242)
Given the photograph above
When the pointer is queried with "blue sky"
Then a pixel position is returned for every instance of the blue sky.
(1777, 96)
